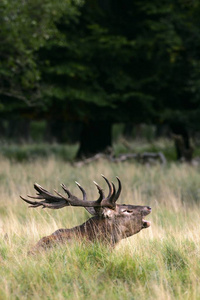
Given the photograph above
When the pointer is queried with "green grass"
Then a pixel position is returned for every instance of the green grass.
(28, 152)
(161, 262)
(166, 146)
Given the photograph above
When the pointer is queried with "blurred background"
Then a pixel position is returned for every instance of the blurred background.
(79, 78)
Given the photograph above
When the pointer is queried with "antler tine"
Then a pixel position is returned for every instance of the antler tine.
(109, 186)
(65, 189)
(91, 210)
(33, 203)
(39, 188)
(119, 189)
(46, 203)
(112, 197)
(82, 190)
(100, 190)
(109, 200)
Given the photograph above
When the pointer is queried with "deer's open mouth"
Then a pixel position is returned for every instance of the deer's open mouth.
(146, 224)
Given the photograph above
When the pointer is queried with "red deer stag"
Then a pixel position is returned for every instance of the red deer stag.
(110, 223)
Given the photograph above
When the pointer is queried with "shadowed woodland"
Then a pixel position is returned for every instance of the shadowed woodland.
(71, 71)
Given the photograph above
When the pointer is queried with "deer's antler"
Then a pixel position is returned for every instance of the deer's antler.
(51, 201)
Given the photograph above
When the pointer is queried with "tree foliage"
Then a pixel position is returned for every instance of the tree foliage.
(26, 26)
(125, 61)
(112, 61)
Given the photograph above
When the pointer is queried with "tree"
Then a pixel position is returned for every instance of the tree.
(173, 41)
(102, 62)
(26, 26)
(90, 74)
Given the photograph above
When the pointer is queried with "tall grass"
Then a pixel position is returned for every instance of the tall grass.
(161, 262)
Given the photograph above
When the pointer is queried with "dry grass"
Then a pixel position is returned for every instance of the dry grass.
(161, 262)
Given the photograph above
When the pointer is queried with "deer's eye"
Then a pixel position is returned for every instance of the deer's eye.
(127, 211)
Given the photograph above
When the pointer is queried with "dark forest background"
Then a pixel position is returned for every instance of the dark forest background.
(71, 70)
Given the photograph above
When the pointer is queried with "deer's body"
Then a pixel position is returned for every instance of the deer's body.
(110, 224)
(94, 229)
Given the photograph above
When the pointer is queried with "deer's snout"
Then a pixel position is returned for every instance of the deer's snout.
(146, 210)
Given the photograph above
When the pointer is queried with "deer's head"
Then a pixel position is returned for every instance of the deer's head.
(128, 218)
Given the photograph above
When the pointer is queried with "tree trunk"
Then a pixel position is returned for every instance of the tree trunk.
(95, 138)
(182, 142)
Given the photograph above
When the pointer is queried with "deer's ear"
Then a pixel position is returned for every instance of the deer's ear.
(108, 213)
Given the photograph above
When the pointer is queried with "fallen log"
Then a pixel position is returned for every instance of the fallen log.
(144, 158)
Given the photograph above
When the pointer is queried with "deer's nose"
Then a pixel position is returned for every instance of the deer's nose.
(147, 210)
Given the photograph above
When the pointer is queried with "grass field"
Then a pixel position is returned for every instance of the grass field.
(161, 262)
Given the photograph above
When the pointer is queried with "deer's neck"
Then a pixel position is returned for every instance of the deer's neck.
(101, 229)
